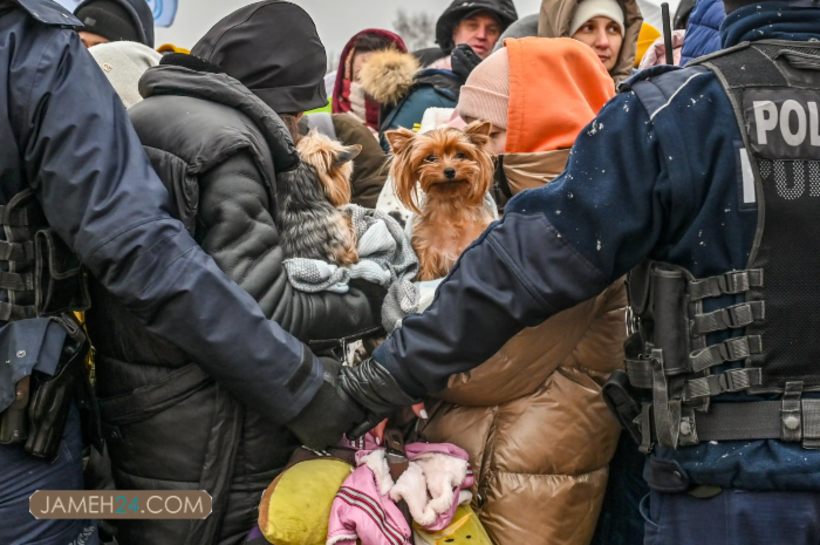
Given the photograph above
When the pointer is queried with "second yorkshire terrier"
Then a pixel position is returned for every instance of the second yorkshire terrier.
(455, 171)
(308, 201)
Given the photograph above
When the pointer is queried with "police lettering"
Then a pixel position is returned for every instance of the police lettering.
(794, 134)
(784, 124)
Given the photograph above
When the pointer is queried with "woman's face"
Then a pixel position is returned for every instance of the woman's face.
(359, 58)
(604, 36)
(498, 140)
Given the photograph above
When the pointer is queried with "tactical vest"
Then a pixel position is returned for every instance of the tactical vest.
(39, 274)
(772, 341)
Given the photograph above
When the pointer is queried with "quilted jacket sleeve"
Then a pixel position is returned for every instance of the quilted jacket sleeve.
(237, 229)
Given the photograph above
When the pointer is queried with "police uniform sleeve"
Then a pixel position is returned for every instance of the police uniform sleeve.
(101, 196)
(555, 247)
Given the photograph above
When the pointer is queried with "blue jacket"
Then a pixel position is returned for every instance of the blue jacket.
(66, 135)
(409, 112)
(703, 31)
(657, 180)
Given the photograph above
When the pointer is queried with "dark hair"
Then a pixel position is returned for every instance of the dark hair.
(372, 42)
(291, 121)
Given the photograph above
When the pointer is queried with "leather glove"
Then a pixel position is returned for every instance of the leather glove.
(464, 60)
(374, 388)
(329, 414)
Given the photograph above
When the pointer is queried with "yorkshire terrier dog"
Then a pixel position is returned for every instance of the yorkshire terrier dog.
(309, 198)
(455, 171)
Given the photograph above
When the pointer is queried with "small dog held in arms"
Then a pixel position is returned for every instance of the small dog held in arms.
(455, 171)
(308, 201)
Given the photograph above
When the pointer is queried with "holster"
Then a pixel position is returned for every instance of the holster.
(622, 402)
(52, 397)
(14, 420)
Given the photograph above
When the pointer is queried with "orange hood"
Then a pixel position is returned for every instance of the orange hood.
(557, 86)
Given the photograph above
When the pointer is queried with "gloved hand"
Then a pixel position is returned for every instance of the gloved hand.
(463, 60)
(329, 414)
(374, 388)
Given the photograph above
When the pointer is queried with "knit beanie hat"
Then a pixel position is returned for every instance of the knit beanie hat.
(123, 64)
(109, 19)
(589, 9)
(486, 95)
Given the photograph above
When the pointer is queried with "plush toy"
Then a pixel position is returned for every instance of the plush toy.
(465, 529)
(295, 508)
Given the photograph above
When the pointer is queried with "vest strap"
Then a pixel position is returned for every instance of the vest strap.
(734, 317)
(733, 380)
(735, 349)
(731, 283)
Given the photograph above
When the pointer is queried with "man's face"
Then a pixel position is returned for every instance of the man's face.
(90, 40)
(480, 31)
(604, 36)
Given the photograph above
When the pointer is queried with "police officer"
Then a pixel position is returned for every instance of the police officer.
(75, 180)
(705, 182)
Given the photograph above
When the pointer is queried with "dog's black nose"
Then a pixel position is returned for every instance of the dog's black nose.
(450, 173)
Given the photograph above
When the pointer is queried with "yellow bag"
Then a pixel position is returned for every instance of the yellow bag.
(295, 508)
(465, 529)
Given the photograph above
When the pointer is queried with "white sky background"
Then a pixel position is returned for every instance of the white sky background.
(336, 20)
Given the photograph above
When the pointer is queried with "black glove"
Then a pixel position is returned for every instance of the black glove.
(463, 60)
(329, 414)
(374, 388)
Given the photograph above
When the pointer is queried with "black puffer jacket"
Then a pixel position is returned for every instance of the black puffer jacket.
(217, 148)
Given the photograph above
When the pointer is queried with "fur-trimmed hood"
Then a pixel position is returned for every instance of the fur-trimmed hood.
(388, 75)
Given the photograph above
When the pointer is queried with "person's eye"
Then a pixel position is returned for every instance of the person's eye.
(460, 156)
(614, 29)
(430, 159)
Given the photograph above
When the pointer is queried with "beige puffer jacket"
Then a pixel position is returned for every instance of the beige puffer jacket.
(536, 427)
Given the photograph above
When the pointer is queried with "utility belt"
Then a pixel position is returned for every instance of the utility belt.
(43, 347)
(665, 395)
(43, 398)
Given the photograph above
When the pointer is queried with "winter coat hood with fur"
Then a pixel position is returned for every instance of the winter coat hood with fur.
(556, 17)
(388, 75)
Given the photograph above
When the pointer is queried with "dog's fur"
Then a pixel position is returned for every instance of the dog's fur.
(308, 200)
(455, 171)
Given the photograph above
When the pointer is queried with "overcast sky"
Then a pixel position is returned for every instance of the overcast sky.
(337, 20)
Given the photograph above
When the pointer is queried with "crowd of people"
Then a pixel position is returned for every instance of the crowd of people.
(605, 358)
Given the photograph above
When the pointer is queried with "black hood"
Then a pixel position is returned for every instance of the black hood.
(504, 11)
(273, 48)
(193, 77)
(140, 13)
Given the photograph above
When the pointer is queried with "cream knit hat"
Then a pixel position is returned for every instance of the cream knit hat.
(123, 63)
(590, 9)
(486, 95)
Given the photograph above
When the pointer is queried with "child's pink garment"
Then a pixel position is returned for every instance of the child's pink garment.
(433, 486)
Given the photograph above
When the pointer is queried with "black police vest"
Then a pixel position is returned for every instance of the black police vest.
(774, 88)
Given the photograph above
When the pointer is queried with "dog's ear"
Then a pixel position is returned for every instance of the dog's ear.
(346, 155)
(479, 132)
(399, 139)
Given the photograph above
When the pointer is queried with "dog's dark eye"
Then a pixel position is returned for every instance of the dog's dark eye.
(459, 156)
(431, 159)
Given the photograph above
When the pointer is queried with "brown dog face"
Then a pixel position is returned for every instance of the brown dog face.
(333, 163)
(449, 164)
